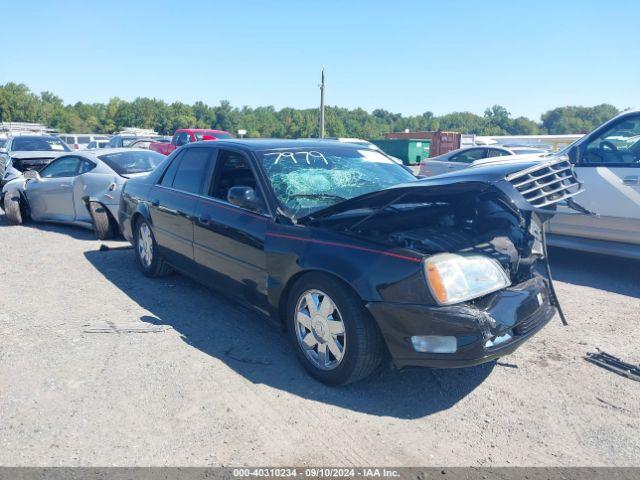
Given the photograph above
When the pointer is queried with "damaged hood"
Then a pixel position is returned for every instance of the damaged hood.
(33, 160)
(484, 178)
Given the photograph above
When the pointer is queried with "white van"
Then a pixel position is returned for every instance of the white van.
(80, 141)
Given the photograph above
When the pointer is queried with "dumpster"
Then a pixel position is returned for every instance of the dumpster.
(410, 151)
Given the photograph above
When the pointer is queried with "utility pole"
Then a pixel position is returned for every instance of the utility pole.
(322, 105)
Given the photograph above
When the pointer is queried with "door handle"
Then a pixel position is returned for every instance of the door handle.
(204, 219)
(630, 180)
(155, 203)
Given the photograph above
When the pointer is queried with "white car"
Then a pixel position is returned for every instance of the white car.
(93, 144)
(607, 162)
(78, 188)
(79, 141)
(472, 157)
(355, 141)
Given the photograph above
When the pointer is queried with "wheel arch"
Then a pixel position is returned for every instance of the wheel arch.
(286, 291)
(141, 212)
(89, 199)
(24, 202)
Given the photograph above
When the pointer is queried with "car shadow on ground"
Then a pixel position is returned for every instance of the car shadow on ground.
(79, 233)
(612, 274)
(251, 346)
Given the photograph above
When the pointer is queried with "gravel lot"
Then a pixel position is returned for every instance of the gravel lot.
(101, 366)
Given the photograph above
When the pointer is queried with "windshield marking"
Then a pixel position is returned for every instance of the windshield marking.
(292, 155)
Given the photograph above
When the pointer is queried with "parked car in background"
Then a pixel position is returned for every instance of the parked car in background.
(28, 152)
(184, 136)
(81, 188)
(93, 144)
(349, 251)
(607, 162)
(356, 141)
(527, 150)
(125, 140)
(146, 142)
(80, 141)
(471, 156)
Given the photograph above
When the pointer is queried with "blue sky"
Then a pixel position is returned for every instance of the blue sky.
(403, 56)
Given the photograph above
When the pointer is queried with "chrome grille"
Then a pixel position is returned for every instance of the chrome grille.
(547, 183)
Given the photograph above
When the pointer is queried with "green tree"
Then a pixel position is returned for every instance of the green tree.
(563, 120)
(19, 104)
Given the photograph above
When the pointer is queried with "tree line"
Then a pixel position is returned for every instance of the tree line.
(19, 104)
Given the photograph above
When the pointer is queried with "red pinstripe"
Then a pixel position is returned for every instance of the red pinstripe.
(344, 245)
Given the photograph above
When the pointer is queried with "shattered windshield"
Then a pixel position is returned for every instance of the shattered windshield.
(307, 180)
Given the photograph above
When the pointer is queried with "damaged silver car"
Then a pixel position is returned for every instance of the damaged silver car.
(80, 188)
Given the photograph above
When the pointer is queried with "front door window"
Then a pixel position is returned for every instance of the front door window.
(63, 167)
(618, 145)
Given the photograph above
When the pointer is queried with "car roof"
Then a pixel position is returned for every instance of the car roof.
(201, 130)
(106, 151)
(38, 136)
(472, 147)
(275, 143)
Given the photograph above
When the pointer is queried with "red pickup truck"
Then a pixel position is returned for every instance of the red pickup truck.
(183, 136)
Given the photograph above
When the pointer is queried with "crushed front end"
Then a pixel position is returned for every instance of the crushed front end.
(481, 237)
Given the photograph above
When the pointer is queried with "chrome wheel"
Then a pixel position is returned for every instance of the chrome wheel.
(145, 245)
(320, 330)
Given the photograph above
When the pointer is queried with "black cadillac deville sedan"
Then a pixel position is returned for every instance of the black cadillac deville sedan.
(352, 255)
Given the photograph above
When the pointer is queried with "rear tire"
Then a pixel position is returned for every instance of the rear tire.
(147, 255)
(12, 208)
(358, 342)
(102, 225)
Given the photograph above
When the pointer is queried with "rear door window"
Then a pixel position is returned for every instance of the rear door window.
(170, 173)
(182, 139)
(192, 171)
(86, 166)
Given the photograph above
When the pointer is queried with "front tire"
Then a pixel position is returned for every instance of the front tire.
(12, 208)
(336, 339)
(147, 254)
(102, 225)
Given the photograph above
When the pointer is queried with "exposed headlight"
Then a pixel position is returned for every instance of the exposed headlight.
(455, 278)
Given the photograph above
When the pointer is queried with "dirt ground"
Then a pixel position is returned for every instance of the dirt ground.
(100, 366)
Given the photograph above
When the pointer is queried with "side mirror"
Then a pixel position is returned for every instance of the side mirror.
(244, 197)
(31, 175)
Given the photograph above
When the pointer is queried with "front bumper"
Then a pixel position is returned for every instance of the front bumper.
(520, 310)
